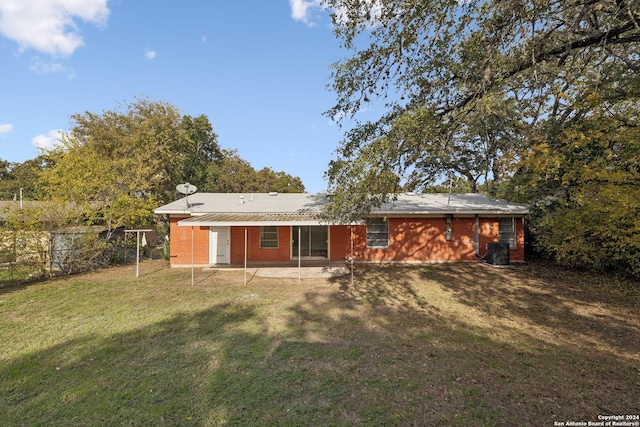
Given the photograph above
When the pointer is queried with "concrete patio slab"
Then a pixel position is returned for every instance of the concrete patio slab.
(292, 272)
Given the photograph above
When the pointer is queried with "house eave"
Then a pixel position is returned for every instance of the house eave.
(255, 208)
(186, 223)
(255, 219)
(160, 211)
(456, 213)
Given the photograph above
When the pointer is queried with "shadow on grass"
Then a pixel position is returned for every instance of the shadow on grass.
(375, 352)
(147, 268)
(149, 376)
(9, 286)
(526, 379)
(568, 303)
(153, 267)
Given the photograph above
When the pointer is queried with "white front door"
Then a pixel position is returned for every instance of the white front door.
(219, 248)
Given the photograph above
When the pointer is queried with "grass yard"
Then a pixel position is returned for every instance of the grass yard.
(451, 344)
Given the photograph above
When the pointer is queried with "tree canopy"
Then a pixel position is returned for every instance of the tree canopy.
(526, 98)
(464, 82)
(236, 175)
(16, 176)
(446, 54)
(113, 168)
(117, 166)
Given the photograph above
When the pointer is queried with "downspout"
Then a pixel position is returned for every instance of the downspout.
(351, 242)
(245, 255)
(477, 235)
(300, 254)
(351, 257)
(192, 257)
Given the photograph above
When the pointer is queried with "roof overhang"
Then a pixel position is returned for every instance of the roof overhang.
(254, 219)
(315, 219)
(440, 214)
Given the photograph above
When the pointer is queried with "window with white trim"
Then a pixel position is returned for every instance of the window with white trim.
(507, 231)
(269, 237)
(377, 233)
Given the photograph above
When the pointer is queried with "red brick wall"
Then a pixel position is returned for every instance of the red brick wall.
(410, 239)
(339, 242)
(489, 232)
(424, 239)
(180, 252)
(254, 252)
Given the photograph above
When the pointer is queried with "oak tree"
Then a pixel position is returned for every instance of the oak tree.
(441, 65)
(234, 174)
(16, 176)
(542, 95)
(117, 166)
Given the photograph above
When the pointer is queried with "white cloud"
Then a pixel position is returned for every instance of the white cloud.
(49, 26)
(306, 10)
(6, 128)
(150, 54)
(302, 10)
(48, 141)
(49, 67)
(45, 67)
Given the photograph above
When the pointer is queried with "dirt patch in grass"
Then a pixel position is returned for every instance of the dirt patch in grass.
(451, 344)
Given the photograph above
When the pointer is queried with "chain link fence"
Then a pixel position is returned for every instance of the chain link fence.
(27, 256)
(24, 255)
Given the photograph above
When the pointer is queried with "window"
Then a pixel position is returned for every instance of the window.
(507, 231)
(377, 233)
(269, 237)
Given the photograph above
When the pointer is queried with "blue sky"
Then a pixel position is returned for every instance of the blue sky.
(257, 69)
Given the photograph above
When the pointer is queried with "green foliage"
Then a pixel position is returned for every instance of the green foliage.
(25, 241)
(585, 179)
(116, 167)
(16, 176)
(113, 169)
(236, 175)
(362, 182)
(41, 237)
(454, 185)
(537, 100)
(465, 83)
(448, 54)
(202, 151)
(79, 250)
(419, 149)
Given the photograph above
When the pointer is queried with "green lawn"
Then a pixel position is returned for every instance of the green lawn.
(454, 344)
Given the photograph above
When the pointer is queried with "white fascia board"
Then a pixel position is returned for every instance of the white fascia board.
(397, 214)
(185, 223)
(161, 211)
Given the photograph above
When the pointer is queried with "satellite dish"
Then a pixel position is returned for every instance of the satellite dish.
(186, 188)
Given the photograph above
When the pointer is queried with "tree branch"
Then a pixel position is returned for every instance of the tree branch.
(612, 36)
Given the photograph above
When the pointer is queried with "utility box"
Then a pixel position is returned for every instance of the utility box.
(498, 253)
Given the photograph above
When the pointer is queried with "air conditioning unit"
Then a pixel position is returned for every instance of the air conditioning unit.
(498, 253)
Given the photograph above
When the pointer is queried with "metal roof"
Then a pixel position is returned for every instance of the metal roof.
(204, 203)
(306, 209)
(442, 203)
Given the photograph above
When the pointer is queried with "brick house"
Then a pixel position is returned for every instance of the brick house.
(232, 228)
